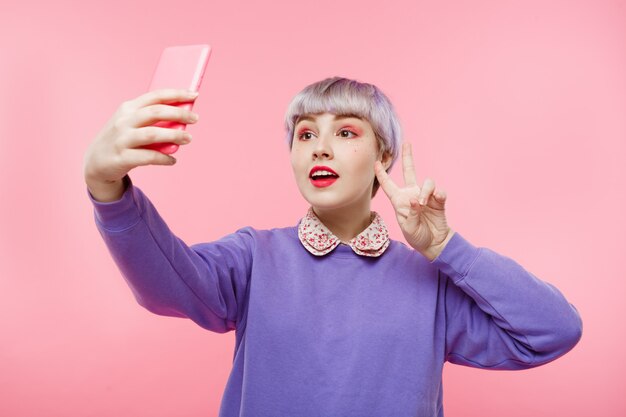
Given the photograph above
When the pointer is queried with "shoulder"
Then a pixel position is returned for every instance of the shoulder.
(263, 238)
(399, 248)
(401, 256)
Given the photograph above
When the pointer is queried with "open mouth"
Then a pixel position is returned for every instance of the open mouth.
(322, 176)
(323, 180)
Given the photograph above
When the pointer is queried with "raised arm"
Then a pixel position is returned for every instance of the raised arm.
(205, 282)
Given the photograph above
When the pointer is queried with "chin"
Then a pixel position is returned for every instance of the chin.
(325, 202)
(332, 201)
(329, 199)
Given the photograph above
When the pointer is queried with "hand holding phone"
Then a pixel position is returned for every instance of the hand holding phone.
(180, 67)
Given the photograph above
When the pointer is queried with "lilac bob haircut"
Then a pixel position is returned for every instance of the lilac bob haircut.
(343, 96)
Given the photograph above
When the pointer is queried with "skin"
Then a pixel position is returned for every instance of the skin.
(420, 211)
(117, 148)
(349, 147)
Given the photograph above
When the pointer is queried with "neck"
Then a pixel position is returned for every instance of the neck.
(346, 222)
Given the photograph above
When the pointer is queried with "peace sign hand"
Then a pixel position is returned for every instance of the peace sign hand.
(420, 211)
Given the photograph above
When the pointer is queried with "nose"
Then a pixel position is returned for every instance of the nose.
(322, 147)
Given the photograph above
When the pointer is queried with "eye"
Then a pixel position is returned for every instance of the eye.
(342, 131)
(304, 135)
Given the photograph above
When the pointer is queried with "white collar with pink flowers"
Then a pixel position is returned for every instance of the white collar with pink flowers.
(319, 240)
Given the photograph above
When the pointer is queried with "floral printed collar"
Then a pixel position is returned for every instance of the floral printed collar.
(319, 240)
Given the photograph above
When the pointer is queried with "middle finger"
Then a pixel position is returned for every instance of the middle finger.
(151, 114)
(407, 165)
(153, 134)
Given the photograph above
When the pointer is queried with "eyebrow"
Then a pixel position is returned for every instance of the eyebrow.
(336, 117)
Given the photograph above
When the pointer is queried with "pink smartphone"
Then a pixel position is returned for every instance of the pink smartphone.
(180, 67)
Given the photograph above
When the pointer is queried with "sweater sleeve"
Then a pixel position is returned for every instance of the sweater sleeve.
(205, 282)
(498, 315)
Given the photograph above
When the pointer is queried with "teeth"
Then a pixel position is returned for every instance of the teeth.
(322, 172)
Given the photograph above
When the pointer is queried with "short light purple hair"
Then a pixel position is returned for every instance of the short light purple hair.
(343, 96)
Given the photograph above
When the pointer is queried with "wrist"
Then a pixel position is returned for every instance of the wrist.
(434, 251)
(106, 191)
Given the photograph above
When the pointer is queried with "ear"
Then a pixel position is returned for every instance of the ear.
(386, 160)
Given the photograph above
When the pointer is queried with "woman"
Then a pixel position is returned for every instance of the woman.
(332, 317)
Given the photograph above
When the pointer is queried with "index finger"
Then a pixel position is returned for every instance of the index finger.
(164, 95)
(385, 181)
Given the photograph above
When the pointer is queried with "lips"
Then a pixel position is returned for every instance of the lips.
(321, 168)
(321, 181)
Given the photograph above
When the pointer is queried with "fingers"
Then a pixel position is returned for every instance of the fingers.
(428, 195)
(117, 148)
(141, 157)
(427, 190)
(414, 208)
(160, 112)
(153, 134)
(441, 196)
(388, 186)
(424, 196)
(166, 95)
(407, 165)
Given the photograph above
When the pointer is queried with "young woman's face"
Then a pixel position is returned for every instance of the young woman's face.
(346, 145)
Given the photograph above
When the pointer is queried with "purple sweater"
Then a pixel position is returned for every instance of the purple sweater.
(342, 334)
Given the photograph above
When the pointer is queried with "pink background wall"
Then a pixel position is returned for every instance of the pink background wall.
(517, 111)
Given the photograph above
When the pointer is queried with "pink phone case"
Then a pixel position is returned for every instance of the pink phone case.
(180, 67)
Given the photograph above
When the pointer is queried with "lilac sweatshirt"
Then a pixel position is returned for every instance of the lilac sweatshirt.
(342, 334)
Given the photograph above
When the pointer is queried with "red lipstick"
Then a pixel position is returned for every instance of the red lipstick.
(323, 180)
(321, 183)
(322, 168)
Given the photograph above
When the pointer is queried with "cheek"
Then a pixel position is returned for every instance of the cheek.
(295, 157)
(363, 148)
(292, 162)
(298, 165)
(363, 160)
